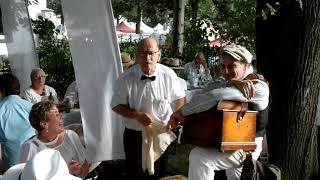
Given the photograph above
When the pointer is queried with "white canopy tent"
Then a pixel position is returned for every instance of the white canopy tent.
(145, 28)
(159, 29)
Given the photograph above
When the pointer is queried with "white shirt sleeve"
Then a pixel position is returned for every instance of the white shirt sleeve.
(178, 89)
(204, 101)
(29, 149)
(26, 94)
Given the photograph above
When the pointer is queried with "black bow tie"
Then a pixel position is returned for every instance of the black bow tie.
(152, 78)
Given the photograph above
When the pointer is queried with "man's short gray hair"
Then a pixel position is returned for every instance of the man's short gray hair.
(35, 71)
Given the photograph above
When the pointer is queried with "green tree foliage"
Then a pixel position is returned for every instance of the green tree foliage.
(55, 5)
(200, 9)
(129, 47)
(235, 21)
(207, 9)
(54, 56)
(124, 8)
(153, 11)
(44, 28)
(196, 40)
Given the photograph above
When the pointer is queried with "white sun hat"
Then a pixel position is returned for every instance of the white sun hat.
(45, 165)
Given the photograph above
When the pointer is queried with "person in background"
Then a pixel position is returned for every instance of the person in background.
(236, 83)
(197, 72)
(126, 61)
(14, 124)
(38, 91)
(143, 95)
(46, 119)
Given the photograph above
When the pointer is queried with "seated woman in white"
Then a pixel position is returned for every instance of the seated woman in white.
(46, 119)
(38, 91)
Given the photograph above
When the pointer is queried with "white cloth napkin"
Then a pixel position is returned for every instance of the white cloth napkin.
(155, 140)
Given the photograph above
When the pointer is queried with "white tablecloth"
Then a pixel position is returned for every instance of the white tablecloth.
(73, 117)
(72, 120)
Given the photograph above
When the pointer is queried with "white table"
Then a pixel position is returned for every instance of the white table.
(73, 117)
(73, 121)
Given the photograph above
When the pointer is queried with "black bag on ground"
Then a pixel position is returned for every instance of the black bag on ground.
(259, 170)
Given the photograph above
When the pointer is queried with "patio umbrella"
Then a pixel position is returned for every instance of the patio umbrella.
(216, 43)
(123, 27)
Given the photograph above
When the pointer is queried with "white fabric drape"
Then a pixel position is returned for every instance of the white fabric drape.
(318, 112)
(97, 64)
(19, 40)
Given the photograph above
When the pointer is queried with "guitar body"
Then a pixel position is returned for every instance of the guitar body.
(228, 126)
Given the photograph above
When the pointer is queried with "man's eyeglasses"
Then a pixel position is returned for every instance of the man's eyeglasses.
(148, 53)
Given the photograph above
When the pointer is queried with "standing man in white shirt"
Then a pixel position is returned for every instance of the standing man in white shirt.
(143, 95)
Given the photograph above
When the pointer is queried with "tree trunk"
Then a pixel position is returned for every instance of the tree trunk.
(175, 32)
(194, 7)
(288, 48)
(139, 16)
(178, 27)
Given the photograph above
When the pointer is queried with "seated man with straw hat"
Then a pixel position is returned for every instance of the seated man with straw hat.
(126, 60)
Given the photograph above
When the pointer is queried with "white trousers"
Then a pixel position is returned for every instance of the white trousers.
(204, 161)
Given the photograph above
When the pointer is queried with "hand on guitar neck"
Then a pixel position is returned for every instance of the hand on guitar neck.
(176, 119)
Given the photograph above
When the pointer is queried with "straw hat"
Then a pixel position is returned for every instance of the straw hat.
(126, 60)
(46, 164)
(165, 61)
(175, 62)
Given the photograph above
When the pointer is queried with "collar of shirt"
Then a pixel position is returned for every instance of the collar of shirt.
(155, 73)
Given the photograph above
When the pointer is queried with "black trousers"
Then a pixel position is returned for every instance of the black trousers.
(132, 141)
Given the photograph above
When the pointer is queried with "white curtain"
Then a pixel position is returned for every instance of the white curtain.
(97, 64)
(19, 39)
